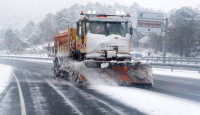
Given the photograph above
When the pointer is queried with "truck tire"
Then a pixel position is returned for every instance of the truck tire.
(56, 68)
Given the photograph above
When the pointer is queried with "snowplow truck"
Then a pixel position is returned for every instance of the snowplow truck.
(103, 42)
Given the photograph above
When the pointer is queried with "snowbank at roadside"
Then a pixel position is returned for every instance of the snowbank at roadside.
(32, 51)
(36, 51)
(149, 102)
(5, 72)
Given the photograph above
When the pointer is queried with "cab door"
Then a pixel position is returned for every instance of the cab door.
(81, 39)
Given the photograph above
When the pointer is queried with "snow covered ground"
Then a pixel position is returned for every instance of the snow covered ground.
(36, 51)
(149, 102)
(5, 72)
(33, 51)
(144, 52)
(145, 100)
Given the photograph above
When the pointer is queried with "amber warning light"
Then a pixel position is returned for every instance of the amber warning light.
(82, 13)
(128, 14)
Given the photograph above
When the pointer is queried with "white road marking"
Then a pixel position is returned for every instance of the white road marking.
(87, 95)
(23, 108)
(101, 101)
(66, 99)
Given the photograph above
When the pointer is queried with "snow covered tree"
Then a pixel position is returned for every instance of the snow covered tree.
(182, 30)
(12, 41)
(48, 28)
(183, 35)
(27, 30)
(35, 37)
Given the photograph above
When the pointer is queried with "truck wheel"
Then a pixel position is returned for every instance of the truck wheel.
(56, 68)
(55, 62)
(56, 72)
(64, 74)
(80, 58)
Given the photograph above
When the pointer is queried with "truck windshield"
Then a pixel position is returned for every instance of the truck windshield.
(107, 28)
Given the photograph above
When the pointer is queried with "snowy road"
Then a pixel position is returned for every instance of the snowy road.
(44, 94)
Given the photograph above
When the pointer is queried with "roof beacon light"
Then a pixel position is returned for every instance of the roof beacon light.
(128, 14)
(82, 13)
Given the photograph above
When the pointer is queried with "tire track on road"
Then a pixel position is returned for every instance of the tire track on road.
(39, 101)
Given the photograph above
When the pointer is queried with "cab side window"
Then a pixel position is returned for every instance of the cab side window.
(77, 28)
(80, 29)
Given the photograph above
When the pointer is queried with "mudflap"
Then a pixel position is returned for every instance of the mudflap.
(138, 75)
(81, 80)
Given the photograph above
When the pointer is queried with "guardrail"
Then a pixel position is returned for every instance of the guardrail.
(180, 66)
(187, 63)
(186, 60)
(165, 65)
(172, 66)
(23, 57)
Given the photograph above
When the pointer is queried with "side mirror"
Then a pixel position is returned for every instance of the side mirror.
(131, 30)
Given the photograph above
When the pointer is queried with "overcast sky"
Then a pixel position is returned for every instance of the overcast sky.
(164, 5)
(36, 9)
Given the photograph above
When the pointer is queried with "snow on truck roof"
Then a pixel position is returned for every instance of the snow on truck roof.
(107, 19)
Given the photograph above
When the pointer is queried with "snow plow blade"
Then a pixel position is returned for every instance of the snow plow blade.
(125, 72)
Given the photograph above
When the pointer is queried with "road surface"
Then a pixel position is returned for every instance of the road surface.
(44, 94)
